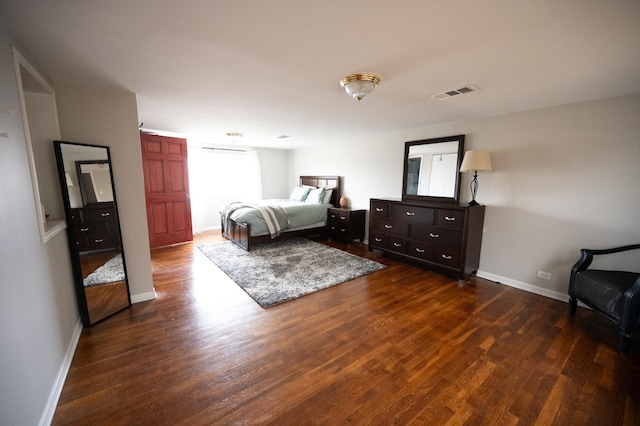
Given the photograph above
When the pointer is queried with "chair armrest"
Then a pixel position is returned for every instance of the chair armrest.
(630, 308)
(586, 257)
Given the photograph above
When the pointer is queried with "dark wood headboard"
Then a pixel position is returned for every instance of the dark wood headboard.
(331, 182)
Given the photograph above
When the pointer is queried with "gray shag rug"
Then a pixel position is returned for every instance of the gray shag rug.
(110, 272)
(278, 272)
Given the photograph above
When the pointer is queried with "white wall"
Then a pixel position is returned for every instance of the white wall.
(274, 172)
(564, 178)
(110, 118)
(39, 320)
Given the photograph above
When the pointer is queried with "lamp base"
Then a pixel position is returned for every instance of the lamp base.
(473, 203)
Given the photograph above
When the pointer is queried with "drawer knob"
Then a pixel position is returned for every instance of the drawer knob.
(105, 214)
(388, 226)
(444, 256)
(432, 235)
(343, 217)
(378, 240)
(419, 250)
(449, 218)
(397, 244)
(99, 240)
(378, 209)
(411, 214)
(342, 229)
(84, 229)
(333, 216)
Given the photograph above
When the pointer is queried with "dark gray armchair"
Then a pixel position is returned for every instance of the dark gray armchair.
(614, 294)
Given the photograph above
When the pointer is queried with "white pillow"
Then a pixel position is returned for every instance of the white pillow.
(315, 196)
(327, 196)
(299, 193)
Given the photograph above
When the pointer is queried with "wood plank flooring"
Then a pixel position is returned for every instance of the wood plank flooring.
(403, 345)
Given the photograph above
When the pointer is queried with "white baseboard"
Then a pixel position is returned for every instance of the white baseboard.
(54, 395)
(552, 294)
(143, 297)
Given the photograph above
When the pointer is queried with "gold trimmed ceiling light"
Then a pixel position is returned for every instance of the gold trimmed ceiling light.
(359, 85)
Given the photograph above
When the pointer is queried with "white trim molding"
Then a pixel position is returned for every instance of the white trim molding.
(58, 384)
(143, 297)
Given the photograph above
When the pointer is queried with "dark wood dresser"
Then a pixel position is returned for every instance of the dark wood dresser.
(95, 227)
(346, 223)
(443, 236)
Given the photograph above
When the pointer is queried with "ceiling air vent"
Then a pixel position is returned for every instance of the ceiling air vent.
(452, 93)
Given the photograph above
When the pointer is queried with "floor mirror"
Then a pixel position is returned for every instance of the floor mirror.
(93, 229)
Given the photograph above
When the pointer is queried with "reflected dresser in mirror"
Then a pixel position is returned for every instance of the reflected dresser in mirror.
(93, 229)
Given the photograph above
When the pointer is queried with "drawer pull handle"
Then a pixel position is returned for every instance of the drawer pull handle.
(333, 228)
(84, 229)
(444, 256)
(105, 214)
(333, 216)
(378, 240)
(99, 240)
(342, 229)
(388, 226)
(343, 217)
(432, 235)
(419, 250)
(449, 218)
(411, 214)
(397, 244)
(378, 209)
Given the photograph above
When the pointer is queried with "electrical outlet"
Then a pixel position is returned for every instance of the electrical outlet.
(544, 275)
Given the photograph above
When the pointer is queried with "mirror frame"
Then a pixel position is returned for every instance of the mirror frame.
(429, 198)
(74, 252)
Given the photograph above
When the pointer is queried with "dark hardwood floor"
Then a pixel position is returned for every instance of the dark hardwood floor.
(403, 345)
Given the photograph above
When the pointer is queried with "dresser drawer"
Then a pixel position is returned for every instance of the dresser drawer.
(447, 257)
(420, 250)
(411, 214)
(436, 235)
(398, 245)
(451, 219)
(379, 209)
(390, 227)
(98, 215)
(378, 240)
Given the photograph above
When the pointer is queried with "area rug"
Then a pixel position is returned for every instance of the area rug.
(110, 272)
(275, 273)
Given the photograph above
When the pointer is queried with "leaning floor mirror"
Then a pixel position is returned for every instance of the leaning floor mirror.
(93, 229)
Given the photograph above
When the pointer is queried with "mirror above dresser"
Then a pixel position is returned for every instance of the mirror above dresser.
(431, 169)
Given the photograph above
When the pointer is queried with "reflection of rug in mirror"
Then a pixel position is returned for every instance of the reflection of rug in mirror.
(110, 272)
(278, 272)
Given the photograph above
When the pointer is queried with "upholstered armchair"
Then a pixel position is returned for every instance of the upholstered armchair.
(614, 294)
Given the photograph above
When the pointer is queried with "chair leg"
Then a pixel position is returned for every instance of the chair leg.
(625, 342)
(573, 304)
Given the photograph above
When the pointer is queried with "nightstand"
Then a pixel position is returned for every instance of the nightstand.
(346, 223)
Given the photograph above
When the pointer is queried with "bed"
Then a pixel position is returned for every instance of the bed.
(246, 226)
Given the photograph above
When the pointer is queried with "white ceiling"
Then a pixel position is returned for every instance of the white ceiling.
(203, 68)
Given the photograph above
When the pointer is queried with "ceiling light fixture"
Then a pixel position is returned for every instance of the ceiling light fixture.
(359, 85)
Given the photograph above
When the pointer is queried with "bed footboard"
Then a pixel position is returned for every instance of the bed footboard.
(238, 233)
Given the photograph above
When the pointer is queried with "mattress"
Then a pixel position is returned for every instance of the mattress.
(301, 215)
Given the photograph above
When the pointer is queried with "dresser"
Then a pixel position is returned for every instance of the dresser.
(95, 227)
(345, 223)
(444, 236)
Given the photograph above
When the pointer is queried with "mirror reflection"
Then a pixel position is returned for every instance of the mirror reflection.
(93, 229)
(431, 169)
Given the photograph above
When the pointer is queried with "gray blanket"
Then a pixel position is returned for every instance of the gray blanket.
(274, 216)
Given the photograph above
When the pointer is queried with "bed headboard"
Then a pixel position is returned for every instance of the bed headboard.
(331, 182)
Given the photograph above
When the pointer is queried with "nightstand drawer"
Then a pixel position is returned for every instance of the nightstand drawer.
(346, 223)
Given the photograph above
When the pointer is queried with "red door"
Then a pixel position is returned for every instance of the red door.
(166, 186)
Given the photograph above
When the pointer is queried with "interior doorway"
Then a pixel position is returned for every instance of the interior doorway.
(166, 186)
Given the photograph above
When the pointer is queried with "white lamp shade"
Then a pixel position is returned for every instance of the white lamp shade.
(476, 161)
